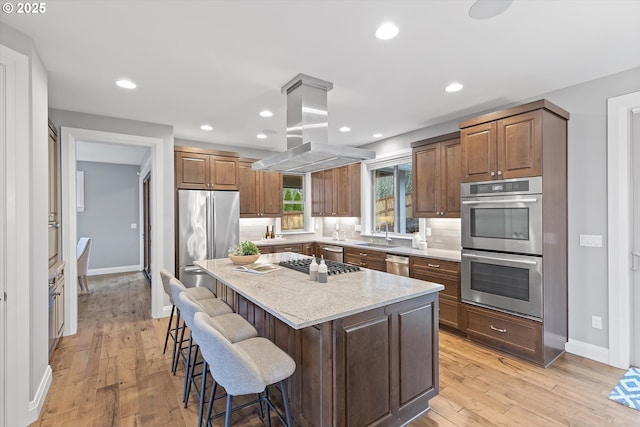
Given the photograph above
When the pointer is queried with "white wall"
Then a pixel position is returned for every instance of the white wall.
(587, 185)
(31, 197)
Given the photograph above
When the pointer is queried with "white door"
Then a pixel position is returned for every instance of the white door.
(635, 289)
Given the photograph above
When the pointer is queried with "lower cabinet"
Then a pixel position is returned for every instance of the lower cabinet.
(290, 247)
(511, 334)
(56, 309)
(446, 273)
(375, 260)
(379, 367)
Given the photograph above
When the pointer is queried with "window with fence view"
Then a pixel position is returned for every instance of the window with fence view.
(292, 202)
(393, 187)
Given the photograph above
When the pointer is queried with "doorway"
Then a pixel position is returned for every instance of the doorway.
(146, 226)
(623, 337)
(160, 161)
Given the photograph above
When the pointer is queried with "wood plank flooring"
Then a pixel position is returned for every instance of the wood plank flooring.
(113, 373)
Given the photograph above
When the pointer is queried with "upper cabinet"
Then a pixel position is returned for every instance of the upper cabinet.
(437, 169)
(336, 192)
(260, 192)
(200, 169)
(508, 143)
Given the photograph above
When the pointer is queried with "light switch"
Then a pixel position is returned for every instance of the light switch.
(594, 241)
(134, 226)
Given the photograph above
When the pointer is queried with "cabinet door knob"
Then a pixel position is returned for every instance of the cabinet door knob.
(493, 174)
(499, 173)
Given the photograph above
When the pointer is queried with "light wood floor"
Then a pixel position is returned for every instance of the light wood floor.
(113, 373)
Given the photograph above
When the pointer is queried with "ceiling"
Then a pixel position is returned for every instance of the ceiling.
(222, 62)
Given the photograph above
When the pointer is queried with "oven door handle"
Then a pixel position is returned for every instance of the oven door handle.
(491, 258)
(499, 201)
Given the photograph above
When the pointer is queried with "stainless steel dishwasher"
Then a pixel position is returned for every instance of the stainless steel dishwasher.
(333, 253)
(398, 265)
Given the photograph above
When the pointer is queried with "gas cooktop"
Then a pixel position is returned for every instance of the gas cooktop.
(333, 267)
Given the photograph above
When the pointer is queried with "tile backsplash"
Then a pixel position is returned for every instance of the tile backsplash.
(445, 233)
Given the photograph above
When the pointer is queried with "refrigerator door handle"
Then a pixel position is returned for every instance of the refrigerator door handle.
(212, 230)
(209, 231)
(192, 269)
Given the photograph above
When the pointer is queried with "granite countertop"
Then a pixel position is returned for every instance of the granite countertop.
(443, 254)
(290, 296)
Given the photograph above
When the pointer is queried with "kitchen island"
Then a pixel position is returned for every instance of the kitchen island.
(365, 343)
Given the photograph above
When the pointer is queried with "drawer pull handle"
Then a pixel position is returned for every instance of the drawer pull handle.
(287, 249)
(361, 254)
(502, 331)
(434, 265)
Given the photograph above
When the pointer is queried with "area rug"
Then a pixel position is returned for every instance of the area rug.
(627, 392)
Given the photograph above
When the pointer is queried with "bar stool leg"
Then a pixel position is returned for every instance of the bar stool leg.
(266, 396)
(210, 405)
(176, 344)
(202, 392)
(227, 415)
(187, 372)
(285, 400)
(169, 331)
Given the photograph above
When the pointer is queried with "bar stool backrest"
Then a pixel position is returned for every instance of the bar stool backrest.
(229, 364)
(176, 287)
(188, 308)
(166, 277)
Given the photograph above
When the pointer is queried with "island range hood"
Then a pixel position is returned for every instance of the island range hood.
(308, 149)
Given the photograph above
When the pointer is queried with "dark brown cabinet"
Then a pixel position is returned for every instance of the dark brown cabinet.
(509, 143)
(379, 367)
(375, 260)
(437, 169)
(289, 247)
(446, 273)
(260, 192)
(199, 169)
(336, 192)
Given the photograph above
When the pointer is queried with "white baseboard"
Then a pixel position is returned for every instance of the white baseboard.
(35, 406)
(590, 351)
(111, 270)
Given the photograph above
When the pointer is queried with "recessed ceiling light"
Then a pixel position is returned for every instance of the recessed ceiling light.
(485, 9)
(206, 127)
(266, 113)
(126, 84)
(261, 136)
(345, 129)
(387, 31)
(454, 87)
(377, 135)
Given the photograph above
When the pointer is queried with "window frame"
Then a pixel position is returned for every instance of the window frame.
(306, 202)
(368, 220)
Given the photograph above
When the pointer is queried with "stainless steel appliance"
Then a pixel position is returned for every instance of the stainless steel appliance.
(398, 265)
(333, 253)
(506, 282)
(333, 267)
(501, 265)
(503, 215)
(208, 225)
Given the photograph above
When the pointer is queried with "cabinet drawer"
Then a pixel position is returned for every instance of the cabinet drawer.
(436, 266)
(365, 254)
(449, 312)
(372, 264)
(511, 334)
(266, 249)
(451, 284)
(288, 248)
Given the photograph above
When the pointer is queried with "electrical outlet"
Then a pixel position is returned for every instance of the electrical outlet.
(134, 226)
(596, 322)
(594, 241)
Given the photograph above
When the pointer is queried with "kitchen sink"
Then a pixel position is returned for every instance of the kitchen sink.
(377, 245)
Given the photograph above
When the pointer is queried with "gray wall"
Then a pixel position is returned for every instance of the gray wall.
(111, 206)
(587, 185)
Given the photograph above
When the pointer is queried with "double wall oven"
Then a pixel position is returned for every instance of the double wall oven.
(502, 245)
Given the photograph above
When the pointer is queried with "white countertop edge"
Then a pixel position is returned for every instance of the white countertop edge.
(436, 253)
(435, 287)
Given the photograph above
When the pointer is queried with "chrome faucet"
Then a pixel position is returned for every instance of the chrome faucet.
(387, 239)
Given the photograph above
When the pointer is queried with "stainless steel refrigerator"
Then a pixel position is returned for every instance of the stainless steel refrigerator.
(208, 225)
